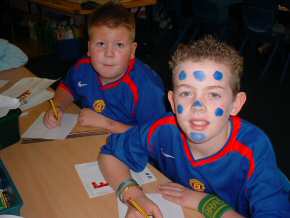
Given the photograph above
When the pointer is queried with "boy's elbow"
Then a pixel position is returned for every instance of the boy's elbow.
(104, 159)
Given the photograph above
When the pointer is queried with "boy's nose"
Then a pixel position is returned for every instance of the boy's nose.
(109, 52)
(198, 105)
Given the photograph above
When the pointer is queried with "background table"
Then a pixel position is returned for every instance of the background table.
(75, 8)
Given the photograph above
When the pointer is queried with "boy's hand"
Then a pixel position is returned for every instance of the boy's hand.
(181, 195)
(88, 117)
(50, 120)
(150, 207)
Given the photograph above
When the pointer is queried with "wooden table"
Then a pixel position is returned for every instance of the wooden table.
(45, 176)
(71, 7)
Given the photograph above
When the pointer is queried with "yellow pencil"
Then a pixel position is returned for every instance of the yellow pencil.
(54, 109)
(138, 208)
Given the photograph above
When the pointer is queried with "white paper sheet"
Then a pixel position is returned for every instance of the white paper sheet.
(95, 184)
(7, 103)
(10, 216)
(39, 130)
(32, 85)
(3, 82)
(168, 208)
(36, 99)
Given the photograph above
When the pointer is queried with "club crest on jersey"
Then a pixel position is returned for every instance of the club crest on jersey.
(99, 105)
(197, 185)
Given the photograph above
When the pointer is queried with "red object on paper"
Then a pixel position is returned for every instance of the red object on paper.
(100, 185)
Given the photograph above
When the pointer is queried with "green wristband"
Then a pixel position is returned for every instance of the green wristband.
(123, 185)
(213, 207)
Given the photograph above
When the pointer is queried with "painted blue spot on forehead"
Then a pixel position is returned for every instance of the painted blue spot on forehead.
(199, 75)
(182, 75)
(179, 109)
(219, 112)
(197, 103)
(197, 137)
(218, 75)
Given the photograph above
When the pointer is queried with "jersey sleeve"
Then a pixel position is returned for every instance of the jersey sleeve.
(152, 103)
(268, 189)
(129, 147)
(70, 82)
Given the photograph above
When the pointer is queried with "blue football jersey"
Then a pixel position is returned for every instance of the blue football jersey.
(134, 99)
(243, 173)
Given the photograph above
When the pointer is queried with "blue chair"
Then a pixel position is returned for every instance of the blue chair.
(259, 18)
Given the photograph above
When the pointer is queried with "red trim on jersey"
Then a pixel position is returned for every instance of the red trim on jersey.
(232, 146)
(128, 80)
(86, 60)
(247, 153)
(65, 88)
(163, 121)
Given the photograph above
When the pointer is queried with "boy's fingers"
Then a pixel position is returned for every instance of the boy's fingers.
(156, 212)
(174, 199)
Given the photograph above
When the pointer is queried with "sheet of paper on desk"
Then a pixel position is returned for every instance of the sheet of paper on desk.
(10, 216)
(168, 208)
(95, 184)
(7, 103)
(33, 85)
(37, 99)
(39, 130)
(3, 82)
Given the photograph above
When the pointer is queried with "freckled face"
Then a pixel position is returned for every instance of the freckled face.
(202, 100)
(110, 50)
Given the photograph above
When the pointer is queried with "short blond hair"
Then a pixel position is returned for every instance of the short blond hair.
(208, 48)
(113, 15)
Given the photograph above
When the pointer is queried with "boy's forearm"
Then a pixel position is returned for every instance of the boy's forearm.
(62, 98)
(114, 126)
(116, 172)
(113, 170)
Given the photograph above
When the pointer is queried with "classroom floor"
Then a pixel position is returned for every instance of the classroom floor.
(268, 101)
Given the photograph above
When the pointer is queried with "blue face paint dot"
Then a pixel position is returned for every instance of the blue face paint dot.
(218, 75)
(179, 109)
(199, 75)
(197, 137)
(182, 75)
(197, 103)
(219, 112)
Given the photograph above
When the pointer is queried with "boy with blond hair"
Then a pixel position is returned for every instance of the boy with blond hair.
(115, 89)
(219, 164)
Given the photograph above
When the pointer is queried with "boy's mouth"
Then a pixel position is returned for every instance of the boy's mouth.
(108, 65)
(198, 124)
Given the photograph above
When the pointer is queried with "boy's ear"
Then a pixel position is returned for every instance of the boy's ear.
(239, 101)
(171, 100)
(133, 50)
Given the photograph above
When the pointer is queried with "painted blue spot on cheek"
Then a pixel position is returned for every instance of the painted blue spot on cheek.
(182, 75)
(197, 103)
(197, 137)
(199, 75)
(219, 112)
(179, 109)
(218, 75)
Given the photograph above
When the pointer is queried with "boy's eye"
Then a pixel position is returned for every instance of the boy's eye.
(184, 93)
(100, 44)
(120, 45)
(214, 95)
